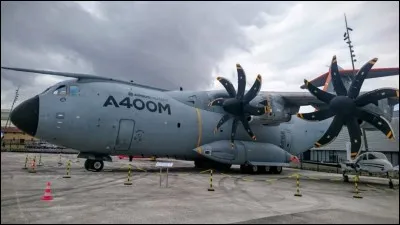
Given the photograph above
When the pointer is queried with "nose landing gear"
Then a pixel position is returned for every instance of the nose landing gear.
(94, 165)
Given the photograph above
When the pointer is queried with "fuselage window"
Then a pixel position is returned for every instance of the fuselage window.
(73, 90)
(62, 90)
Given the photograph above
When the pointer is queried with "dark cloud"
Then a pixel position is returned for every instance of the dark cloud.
(164, 44)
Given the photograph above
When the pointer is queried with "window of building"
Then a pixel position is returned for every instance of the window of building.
(73, 90)
(62, 90)
(21, 141)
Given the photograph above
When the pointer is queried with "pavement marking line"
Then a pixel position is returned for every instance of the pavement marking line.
(245, 179)
(226, 175)
(313, 178)
(140, 168)
(271, 180)
(19, 207)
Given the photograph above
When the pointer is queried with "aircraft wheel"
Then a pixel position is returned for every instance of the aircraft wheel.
(262, 169)
(276, 169)
(97, 165)
(87, 164)
(254, 169)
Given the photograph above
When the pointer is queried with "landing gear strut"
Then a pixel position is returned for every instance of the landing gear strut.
(391, 186)
(94, 165)
(345, 177)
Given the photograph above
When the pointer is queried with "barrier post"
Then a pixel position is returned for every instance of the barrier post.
(357, 195)
(26, 161)
(211, 187)
(129, 181)
(68, 175)
(298, 194)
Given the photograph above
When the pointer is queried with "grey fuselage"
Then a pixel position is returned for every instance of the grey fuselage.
(155, 123)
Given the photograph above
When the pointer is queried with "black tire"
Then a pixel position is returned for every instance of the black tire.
(88, 164)
(97, 165)
(276, 169)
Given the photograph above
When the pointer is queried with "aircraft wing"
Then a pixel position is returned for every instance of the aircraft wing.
(79, 76)
(336, 165)
(306, 98)
(373, 73)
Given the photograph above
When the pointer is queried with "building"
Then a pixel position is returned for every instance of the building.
(376, 141)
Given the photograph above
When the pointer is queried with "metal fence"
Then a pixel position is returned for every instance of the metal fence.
(21, 145)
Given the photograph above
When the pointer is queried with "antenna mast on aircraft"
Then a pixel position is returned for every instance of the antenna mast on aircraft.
(347, 37)
(352, 56)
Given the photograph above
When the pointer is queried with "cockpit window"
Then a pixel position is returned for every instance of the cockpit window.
(73, 90)
(62, 90)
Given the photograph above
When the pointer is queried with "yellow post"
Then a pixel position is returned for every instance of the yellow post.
(211, 187)
(298, 194)
(59, 161)
(40, 160)
(129, 181)
(68, 175)
(357, 195)
(26, 161)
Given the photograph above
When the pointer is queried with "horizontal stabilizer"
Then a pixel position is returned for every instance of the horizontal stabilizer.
(373, 73)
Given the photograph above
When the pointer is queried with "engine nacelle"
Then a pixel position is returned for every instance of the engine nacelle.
(244, 151)
(279, 112)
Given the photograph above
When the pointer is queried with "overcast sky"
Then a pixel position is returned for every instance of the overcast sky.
(189, 44)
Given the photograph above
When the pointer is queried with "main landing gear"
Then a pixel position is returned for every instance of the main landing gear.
(94, 162)
(94, 165)
(252, 169)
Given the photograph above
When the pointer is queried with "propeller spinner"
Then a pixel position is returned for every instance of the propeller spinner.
(237, 105)
(346, 107)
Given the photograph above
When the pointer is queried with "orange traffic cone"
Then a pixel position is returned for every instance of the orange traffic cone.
(47, 193)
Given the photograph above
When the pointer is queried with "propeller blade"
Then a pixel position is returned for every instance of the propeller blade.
(228, 86)
(338, 85)
(320, 94)
(355, 86)
(376, 95)
(331, 133)
(255, 89)
(376, 120)
(225, 118)
(355, 136)
(241, 82)
(218, 101)
(316, 116)
(256, 111)
(247, 127)
(233, 132)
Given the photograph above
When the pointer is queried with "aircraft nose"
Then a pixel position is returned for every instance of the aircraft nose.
(26, 115)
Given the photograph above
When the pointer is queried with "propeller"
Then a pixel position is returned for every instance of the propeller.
(237, 105)
(346, 107)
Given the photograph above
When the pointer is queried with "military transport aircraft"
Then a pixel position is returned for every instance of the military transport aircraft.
(102, 117)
